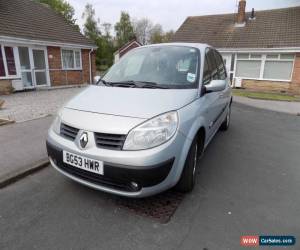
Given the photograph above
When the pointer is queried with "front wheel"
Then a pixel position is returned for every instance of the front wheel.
(188, 175)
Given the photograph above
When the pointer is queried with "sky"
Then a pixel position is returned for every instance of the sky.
(169, 13)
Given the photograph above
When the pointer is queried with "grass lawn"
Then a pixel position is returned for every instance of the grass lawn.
(266, 96)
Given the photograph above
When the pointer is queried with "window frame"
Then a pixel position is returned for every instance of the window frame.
(7, 76)
(263, 61)
(74, 58)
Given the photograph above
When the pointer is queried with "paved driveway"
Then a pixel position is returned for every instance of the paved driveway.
(30, 105)
(247, 184)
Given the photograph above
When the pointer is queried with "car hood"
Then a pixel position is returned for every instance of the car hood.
(131, 102)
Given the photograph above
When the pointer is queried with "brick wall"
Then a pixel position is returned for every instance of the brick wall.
(5, 87)
(268, 86)
(292, 87)
(295, 86)
(59, 77)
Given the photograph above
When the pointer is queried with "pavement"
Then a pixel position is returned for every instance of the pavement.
(279, 106)
(28, 105)
(247, 184)
(22, 148)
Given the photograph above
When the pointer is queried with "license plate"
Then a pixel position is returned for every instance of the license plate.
(84, 163)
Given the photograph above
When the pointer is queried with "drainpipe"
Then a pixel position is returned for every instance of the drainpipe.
(90, 59)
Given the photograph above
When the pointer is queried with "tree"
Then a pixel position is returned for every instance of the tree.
(106, 46)
(124, 30)
(90, 27)
(156, 34)
(63, 8)
(168, 36)
(159, 36)
(142, 30)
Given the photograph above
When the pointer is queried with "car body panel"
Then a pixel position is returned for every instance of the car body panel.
(118, 110)
(128, 101)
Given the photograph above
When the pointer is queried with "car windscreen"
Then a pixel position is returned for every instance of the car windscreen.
(169, 66)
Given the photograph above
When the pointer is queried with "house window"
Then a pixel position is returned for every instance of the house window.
(71, 59)
(248, 69)
(7, 62)
(265, 66)
(279, 68)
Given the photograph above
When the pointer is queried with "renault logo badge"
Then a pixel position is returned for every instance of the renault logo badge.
(83, 140)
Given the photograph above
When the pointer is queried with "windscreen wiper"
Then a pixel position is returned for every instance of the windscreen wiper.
(104, 82)
(151, 85)
(137, 84)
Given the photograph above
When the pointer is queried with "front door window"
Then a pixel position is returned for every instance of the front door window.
(33, 66)
(26, 72)
(39, 67)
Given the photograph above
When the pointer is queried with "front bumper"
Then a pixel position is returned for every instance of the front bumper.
(122, 179)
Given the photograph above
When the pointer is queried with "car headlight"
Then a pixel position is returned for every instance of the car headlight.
(56, 124)
(153, 132)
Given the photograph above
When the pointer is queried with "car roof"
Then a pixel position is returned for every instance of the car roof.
(201, 46)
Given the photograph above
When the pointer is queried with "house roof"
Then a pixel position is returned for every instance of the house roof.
(126, 45)
(271, 29)
(28, 19)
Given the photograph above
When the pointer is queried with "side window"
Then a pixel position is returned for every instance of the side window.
(220, 66)
(212, 64)
(206, 72)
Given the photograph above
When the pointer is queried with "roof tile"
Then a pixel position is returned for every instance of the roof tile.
(31, 20)
(270, 29)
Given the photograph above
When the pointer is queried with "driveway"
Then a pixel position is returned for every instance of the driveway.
(30, 105)
(247, 184)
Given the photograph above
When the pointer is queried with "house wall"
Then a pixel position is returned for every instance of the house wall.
(5, 87)
(130, 47)
(59, 77)
(295, 86)
(268, 86)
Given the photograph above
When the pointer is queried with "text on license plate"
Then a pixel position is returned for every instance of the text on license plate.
(83, 162)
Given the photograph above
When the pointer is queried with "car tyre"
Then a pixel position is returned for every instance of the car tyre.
(188, 175)
(225, 124)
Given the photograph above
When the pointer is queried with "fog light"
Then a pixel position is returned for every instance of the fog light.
(134, 185)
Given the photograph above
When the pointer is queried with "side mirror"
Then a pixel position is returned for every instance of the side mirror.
(96, 79)
(215, 86)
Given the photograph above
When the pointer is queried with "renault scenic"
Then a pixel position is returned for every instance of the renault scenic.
(142, 128)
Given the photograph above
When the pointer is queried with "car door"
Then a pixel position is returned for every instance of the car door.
(211, 101)
(224, 95)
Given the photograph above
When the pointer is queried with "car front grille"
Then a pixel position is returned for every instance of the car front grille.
(110, 141)
(68, 131)
(122, 185)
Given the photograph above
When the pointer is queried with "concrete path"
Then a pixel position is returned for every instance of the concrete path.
(30, 105)
(22, 148)
(279, 106)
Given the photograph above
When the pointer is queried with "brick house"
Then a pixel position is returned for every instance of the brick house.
(39, 49)
(125, 48)
(261, 50)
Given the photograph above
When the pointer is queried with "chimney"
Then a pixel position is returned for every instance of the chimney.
(241, 15)
(252, 17)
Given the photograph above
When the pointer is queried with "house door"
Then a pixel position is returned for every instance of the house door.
(33, 67)
(227, 62)
(227, 58)
(39, 67)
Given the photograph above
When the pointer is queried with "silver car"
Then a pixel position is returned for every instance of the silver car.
(144, 126)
